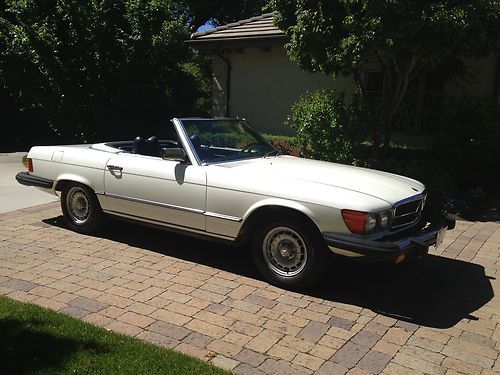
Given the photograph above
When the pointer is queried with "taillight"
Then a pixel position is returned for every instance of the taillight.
(355, 220)
(30, 165)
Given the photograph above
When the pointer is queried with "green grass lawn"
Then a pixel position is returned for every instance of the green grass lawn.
(37, 340)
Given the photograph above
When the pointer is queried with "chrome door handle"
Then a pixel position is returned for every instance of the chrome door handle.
(115, 168)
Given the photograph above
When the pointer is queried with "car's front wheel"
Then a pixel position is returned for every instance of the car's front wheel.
(81, 208)
(289, 253)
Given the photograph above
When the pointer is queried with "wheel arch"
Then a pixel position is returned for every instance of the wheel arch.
(66, 179)
(264, 211)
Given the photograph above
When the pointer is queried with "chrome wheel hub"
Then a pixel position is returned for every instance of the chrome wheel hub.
(284, 251)
(78, 205)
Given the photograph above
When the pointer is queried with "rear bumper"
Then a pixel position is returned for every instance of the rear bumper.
(24, 178)
(391, 248)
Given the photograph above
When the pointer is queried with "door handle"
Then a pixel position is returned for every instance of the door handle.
(115, 168)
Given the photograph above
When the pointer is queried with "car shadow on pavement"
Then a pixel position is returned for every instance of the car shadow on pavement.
(435, 292)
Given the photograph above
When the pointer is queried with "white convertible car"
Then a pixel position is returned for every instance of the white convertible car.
(220, 179)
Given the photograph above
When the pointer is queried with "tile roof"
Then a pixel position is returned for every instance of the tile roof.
(259, 27)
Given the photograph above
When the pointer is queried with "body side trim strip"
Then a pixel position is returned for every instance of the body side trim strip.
(222, 216)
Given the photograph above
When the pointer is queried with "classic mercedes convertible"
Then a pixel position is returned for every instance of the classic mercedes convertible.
(220, 179)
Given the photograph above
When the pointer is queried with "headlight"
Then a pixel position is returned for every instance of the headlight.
(367, 222)
(385, 218)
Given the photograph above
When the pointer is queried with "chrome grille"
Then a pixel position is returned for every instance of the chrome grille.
(408, 211)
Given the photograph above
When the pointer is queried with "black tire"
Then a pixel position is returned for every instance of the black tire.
(81, 208)
(290, 253)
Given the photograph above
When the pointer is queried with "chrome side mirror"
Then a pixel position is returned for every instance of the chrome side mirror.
(173, 154)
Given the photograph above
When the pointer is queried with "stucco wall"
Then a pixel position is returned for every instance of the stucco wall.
(264, 84)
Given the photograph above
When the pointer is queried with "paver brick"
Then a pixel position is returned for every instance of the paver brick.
(349, 354)
(135, 319)
(332, 342)
(250, 357)
(264, 341)
(261, 301)
(198, 339)
(75, 312)
(474, 348)
(365, 338)
(97, 319)
(50, 303)
(282, 352)
(397, 335)
(206, 328)
(341, 322)
(192, 351)
(313, 331)
(170, 330)
(87, 304)
(467, 357)
(224, 348)
(331, 368)
(170, 317)
(418, 364)
(386, 347)
(22, 285)
(323, 352)
(461, 367)
(217, 319)
(237, 338)
(374, 362)
(225, 363)
(308, 361)
(244, 369)
(280, 327)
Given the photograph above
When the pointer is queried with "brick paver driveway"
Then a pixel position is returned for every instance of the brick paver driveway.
(206, 300)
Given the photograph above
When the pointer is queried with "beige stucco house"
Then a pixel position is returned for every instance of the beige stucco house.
(254, 78)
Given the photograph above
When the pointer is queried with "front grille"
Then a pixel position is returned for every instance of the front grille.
(408, 211)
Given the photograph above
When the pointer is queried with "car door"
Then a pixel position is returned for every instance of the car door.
(156, 190)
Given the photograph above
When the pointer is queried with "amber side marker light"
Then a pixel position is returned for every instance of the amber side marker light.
(400, 258)
(30, 164)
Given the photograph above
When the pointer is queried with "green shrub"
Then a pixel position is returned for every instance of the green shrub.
(327, 127)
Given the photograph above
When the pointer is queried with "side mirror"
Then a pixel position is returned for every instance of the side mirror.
(174, 154)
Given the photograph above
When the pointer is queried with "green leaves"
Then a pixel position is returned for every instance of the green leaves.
(405, 37)
(100, 69)
(327, 127)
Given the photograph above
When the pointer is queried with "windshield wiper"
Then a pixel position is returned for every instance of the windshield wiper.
(273, 151)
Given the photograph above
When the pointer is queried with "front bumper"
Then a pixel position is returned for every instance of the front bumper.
(396, 247)
(24, 178)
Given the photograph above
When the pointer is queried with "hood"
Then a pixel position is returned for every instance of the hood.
(382, 185)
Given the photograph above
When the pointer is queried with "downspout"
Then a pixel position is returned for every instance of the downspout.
(228, 82)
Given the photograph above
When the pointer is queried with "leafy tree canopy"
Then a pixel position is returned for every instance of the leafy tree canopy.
(405, 37)
(95, 69)
(221, 12)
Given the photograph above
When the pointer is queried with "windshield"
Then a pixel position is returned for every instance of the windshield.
(221, 140)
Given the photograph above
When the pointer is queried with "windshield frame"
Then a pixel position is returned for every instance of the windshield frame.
(180, 124)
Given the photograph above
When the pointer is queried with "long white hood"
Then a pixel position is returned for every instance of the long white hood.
(305, 174)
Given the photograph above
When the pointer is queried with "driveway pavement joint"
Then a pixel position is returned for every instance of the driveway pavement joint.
(206, 300)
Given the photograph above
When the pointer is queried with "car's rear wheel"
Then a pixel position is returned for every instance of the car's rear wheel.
(289, 253)
(81, 208)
